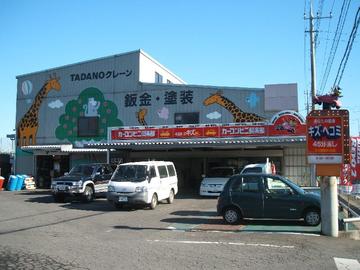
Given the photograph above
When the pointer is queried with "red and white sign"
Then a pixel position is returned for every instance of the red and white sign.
(134, 134)
(242, 131)
(285, 123)
(345, 184)
(355, 159)
(345, 173)
(326, 133)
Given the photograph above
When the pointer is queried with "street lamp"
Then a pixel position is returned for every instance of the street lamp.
(12, 138)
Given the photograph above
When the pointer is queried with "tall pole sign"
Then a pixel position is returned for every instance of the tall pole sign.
(328, 148)
(328, 140)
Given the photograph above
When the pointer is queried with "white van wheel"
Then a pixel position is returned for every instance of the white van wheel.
(154, 201)
(170, 200)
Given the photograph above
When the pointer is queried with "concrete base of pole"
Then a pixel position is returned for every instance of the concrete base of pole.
(329, 206)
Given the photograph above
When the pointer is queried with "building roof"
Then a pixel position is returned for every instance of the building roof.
(139, 51)
(202, 143)
(78, 63)
(64, 148)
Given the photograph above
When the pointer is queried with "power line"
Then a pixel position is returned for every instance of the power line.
(327, 38)
(317, 23)
(348, 49)
(335, 43)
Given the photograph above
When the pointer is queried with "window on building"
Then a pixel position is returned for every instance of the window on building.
(88, 126)
(158, 78)
(187, 118)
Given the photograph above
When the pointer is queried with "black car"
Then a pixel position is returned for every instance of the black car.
(84, 180)
(269, 197)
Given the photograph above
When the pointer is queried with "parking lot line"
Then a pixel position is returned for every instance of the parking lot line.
(218, 243)
(346, 264)
(182, 226)
(282, 228)
(215, 224)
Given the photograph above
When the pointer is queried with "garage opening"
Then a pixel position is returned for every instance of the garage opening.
(50, 166)
(192, 165)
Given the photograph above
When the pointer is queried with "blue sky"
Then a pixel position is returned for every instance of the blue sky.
(222, 43)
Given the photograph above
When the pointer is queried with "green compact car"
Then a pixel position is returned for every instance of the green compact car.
(267, 196)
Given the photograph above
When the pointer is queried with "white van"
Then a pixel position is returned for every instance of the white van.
(145, 182)
(258, 168)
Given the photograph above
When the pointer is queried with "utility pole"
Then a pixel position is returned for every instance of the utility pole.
(312, 51)
(328, 184)
(312, 58)
(311, 19)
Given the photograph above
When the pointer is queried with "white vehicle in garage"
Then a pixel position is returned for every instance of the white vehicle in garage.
(257, 168)
(145, 183)
(214, 182)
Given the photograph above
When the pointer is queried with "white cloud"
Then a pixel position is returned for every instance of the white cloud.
(56, 104)
(214, 115)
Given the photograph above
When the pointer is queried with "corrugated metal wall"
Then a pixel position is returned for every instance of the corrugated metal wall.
(109, 75)
(295, 165)
(159, 101)
(249, 100)
(116, 83)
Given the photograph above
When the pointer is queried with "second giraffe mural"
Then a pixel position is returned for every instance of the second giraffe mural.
(237, 113)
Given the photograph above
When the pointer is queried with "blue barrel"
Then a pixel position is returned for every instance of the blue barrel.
(12, 183)
(20, 181)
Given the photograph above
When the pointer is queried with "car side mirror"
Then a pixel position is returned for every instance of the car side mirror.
(66, 173)
(148, 178)
(97, 173)
(203, 175)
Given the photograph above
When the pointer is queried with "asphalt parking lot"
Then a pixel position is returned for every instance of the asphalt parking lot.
(36, 233)
(189, 212)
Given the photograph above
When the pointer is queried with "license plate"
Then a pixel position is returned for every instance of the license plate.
(123, 199)
(61, 187)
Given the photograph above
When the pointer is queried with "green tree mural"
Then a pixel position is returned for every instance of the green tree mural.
(91, 102)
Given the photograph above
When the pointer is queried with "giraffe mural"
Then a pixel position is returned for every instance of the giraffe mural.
(238, 115)
(29, 123)
(141, 116)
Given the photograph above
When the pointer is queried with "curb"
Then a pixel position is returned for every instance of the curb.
(353, 234)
